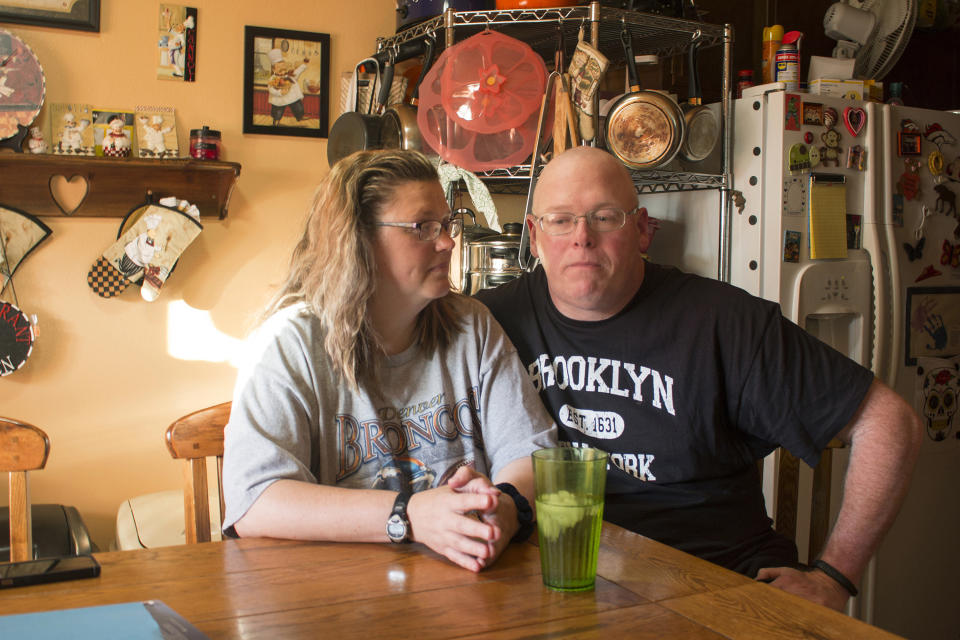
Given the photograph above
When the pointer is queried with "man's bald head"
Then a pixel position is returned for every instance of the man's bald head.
(586, 163)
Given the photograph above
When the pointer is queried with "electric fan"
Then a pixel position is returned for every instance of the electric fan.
(873, 32)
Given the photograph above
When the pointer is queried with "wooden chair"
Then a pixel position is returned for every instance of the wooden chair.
(787, 503)
(23, 448)
(193, 438)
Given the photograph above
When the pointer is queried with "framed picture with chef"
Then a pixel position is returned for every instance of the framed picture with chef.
(286, 82)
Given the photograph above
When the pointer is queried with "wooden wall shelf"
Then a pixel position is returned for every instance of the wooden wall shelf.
(114, 185)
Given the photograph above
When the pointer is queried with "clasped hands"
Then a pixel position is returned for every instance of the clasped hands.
(467, 520)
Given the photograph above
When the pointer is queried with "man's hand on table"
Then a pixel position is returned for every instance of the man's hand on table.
(815, 585)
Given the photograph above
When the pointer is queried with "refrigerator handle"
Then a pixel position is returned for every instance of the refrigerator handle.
(879, 242)
(896, 307)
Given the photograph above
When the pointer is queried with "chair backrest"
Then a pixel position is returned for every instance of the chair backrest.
(788, 508)
(193, 438)
(23, 448)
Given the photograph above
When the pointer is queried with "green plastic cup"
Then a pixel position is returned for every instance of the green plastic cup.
(569, 493)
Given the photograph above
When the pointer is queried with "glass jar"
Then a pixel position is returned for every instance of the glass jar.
(205, 144)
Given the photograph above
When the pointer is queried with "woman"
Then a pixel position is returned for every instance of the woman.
(369, 381)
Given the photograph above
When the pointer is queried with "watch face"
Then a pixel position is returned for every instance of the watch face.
(396, 528)
(21, 84)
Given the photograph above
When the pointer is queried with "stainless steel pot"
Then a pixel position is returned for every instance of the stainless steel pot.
(492, 260)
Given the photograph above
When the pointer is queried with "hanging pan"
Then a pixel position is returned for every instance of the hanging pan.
(354, 131)
(644, 129)
(701, 125)
(399, 128)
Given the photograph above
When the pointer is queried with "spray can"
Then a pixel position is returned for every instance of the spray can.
(786, 64)
(771, 42)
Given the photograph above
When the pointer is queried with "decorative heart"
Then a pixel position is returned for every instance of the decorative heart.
(68, 194)
(854, 118)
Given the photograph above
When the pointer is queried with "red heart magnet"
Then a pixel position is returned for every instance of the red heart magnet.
(854, 119)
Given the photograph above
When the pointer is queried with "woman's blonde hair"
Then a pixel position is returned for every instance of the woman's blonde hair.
(333, 270)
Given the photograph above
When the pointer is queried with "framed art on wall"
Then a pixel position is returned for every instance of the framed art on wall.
(83, 15)
(286, 82)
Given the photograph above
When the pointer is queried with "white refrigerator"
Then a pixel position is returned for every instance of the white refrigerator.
(830, 236)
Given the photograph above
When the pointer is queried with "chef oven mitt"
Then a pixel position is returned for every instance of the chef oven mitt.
(148, 249)
(587, 67)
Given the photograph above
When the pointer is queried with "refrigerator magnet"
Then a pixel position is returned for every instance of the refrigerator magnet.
(915, 252)
(791, 246)
(908, 143)
(831, 151)
(946, 201)
(935, 163)
(909, 182)
(794, 195)
(829, 117)
(792, 113)
(812, 113)
(798, 157)
(856, 157)
(938, 136)
(854, 118)
(936, 388)
(814, 153)
(897, 209)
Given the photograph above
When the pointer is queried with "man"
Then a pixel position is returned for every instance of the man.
(687, 382)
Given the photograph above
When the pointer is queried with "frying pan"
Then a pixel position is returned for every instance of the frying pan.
(354, 131)
(399, 128)
(701, 125)
(644, 129)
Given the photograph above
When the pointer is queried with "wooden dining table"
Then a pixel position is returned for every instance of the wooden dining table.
(276, 589)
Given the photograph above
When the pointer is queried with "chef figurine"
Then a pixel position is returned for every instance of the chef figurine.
(36, 142)
(152, 136)
(71, 138)
(116, 142)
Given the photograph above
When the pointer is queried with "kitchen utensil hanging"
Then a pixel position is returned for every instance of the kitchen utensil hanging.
(644, 129)
(399, 128)
(354, 131)
(478, 102)
(701, 124)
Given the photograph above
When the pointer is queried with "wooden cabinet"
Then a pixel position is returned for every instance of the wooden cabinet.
(113, 186)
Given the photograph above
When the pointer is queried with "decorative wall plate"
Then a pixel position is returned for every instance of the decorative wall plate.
(16, 338)
(22, 85)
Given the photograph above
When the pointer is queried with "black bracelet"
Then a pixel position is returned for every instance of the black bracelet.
(524, 512)
(840, 579)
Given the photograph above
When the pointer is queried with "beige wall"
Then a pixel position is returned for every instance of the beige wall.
(107, 376)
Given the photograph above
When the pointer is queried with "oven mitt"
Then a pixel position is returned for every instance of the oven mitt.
(587, 67)
(149, 248)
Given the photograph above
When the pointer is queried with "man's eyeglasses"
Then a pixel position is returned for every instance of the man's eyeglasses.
(429, 230)
(603, 220)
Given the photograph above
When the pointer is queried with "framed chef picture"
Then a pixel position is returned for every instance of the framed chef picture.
(286, 82)
(82, 15)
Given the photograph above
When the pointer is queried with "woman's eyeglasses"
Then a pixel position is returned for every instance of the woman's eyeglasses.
(429, 230)
(603, 220)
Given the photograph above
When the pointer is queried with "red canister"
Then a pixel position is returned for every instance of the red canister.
(205, 144)
(744, 80)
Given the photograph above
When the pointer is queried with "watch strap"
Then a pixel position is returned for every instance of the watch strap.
(837, 576)
(524, 512)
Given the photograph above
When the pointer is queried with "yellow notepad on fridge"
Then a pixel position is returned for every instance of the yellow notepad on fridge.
(828, 217)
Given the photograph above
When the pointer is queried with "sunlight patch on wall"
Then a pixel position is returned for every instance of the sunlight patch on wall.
(191, 335)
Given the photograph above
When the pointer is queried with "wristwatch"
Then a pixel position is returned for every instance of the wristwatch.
(398, 525)
(524, 512)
